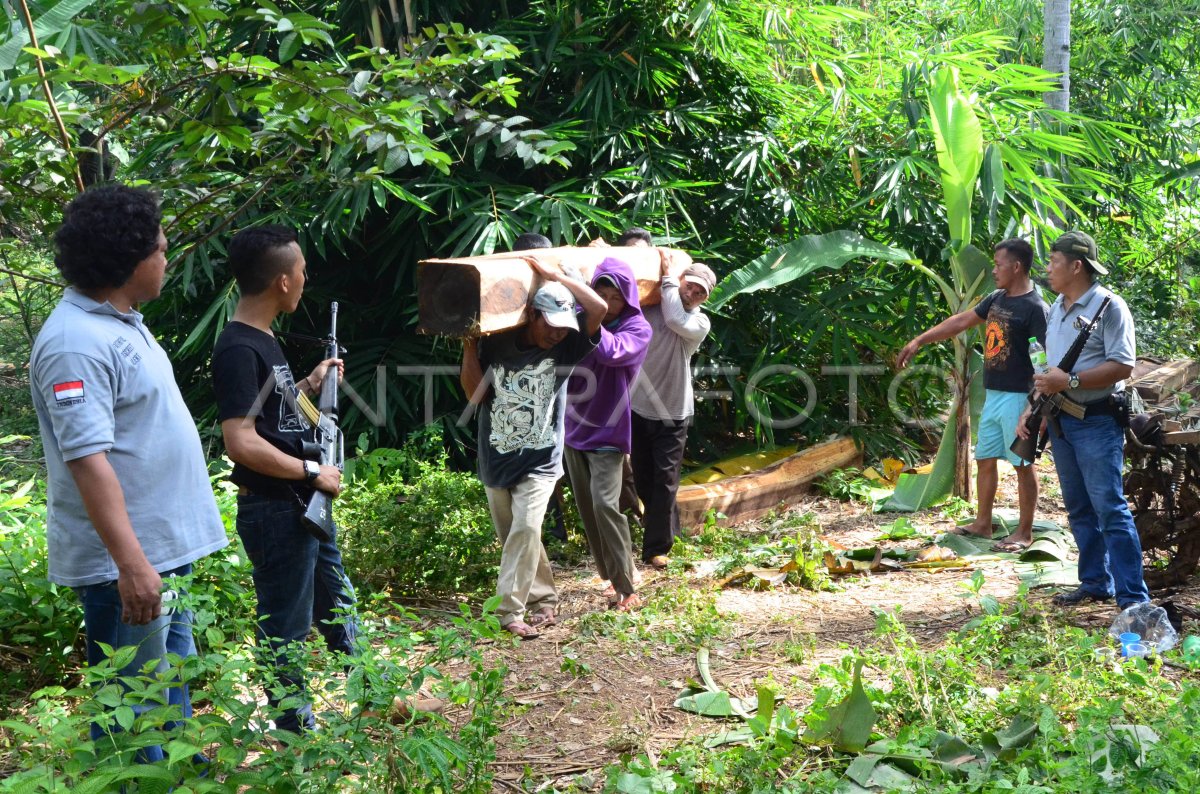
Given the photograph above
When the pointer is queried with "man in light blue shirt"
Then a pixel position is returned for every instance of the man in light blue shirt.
(129, 506)
(1088, 453)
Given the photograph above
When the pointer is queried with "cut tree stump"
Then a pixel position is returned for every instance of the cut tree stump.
(480, 295)
(749, 496)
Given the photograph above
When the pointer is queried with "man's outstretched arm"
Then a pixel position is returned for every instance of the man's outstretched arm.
(946, 329)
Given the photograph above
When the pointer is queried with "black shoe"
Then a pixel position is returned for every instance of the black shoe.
(1076, 597)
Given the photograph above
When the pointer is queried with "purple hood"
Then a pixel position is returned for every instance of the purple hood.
(598, 392)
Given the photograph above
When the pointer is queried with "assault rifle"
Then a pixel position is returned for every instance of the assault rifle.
(326, 447)
(1048, 406)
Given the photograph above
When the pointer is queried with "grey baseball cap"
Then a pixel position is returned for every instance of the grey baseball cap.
(557, 305)
(1081, 245)
(701, 274)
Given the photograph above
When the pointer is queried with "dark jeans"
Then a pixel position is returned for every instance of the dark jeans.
(169, 633)
(1088, 456)
(657, 456)
(298, 580)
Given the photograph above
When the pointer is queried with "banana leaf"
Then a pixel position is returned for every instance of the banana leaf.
(799, 258)
(959, 139)
(48, 24)
(918, 491)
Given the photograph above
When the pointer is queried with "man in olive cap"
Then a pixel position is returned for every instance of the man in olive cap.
(662, 402)
(1088, 452)
(518, 380)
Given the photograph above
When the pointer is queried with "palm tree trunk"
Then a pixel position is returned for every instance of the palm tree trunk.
(1057, 55)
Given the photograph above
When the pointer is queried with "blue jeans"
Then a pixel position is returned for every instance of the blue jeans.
(298, 580)
(168, 633)
(1088, 456)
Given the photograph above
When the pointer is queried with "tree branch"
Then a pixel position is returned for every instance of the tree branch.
(64, 138)
(28, 277)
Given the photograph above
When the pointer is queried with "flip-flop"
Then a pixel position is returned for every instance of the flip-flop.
(627, 603)
(522, 630)
(543, 617)
(1010, 546)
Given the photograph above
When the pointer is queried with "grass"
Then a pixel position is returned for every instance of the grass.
(1021, 693)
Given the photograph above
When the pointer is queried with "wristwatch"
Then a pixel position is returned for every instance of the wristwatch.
(1073, 381)
(312, 470)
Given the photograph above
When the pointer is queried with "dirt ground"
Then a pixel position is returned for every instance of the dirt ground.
(569, 723)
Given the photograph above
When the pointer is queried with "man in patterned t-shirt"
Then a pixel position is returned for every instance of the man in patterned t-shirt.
(1013, 313)
(521, 403)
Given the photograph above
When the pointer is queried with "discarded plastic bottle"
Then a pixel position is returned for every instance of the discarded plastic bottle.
(1191, 649)
(1037, 355)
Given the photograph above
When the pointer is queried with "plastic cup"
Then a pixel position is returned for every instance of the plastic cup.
(1137, 650)
(1127, 639)
(1104, 655)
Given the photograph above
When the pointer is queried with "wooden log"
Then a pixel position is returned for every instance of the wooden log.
(1182, 437)
(1160, 384)
(480, 295)
(749, 496)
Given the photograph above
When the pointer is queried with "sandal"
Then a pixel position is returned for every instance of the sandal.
(521, 629)
(543, 617)
(1007, 546)
(626, 603)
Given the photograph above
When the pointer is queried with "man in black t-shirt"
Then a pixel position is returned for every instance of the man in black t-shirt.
(297, 578)
(518, 380)
(1013, 313)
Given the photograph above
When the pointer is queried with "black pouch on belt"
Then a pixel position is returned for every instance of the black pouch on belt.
(1120, 404)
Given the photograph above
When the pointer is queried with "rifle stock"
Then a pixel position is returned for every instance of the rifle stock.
(327, 448)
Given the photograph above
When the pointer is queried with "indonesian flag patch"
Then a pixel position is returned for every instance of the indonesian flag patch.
(68, 392)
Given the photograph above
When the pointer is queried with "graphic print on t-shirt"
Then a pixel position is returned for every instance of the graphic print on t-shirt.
(522, 410)
(290, 420)
(997, 346)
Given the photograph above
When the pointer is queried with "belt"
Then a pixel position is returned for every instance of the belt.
(1101, 407)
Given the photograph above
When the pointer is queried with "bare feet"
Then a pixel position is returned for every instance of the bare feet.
(976, 528)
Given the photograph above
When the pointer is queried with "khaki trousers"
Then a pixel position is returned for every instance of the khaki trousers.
(526, 582)
(596, 480)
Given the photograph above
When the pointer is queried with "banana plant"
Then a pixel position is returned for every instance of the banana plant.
(958, 136)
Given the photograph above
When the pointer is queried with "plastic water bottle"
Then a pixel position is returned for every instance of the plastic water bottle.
(1037, 355)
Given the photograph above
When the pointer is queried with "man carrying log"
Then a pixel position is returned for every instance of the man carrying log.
(521, 403)
(1089, 452)
(598, 436)
(1014, 313)
(662, 402)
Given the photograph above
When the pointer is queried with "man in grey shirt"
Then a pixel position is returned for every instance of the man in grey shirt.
(130, 507)
(1089, 452)
(662, 403)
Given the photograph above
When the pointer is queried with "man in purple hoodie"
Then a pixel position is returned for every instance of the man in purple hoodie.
(598, 427)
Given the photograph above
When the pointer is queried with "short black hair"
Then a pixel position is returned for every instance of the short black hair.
(1020, 249)
(635, 233)
(259, 254)
(106, 232)
(531, 240)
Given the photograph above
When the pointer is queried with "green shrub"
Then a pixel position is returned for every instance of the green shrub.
(39, 621)
(44, 743)
(429, 532)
